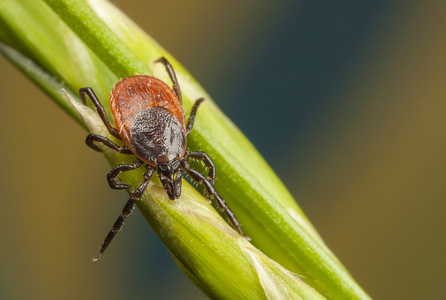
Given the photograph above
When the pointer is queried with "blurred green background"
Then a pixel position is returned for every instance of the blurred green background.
(344, 99)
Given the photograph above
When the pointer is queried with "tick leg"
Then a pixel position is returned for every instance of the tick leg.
(111, 176)
(207, 161)
(89, 91)
(126, 211)
(193, 112)
(173, 77)
(201, 179)
(92, 138)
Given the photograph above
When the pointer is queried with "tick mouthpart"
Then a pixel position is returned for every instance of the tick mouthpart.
(171, 180)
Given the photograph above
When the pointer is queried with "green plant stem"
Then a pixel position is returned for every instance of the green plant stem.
(76, 14)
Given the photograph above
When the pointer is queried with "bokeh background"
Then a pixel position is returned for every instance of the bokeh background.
(345, 99)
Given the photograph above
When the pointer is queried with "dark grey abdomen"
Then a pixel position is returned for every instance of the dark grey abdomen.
(157, 136)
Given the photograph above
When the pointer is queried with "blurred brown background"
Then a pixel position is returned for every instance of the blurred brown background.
(345, 101)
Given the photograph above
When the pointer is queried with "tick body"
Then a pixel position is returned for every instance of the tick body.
(150, 120)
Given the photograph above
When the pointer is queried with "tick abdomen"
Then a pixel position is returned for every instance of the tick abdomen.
(133, 94)
(157, 136)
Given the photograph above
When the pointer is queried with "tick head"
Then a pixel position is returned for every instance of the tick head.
(170, 176)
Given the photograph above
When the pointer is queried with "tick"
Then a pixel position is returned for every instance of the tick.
(149, 119)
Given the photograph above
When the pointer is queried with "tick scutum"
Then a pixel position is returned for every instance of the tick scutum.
(157, 137)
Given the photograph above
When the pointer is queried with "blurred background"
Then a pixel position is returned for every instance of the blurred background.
(345, 100)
